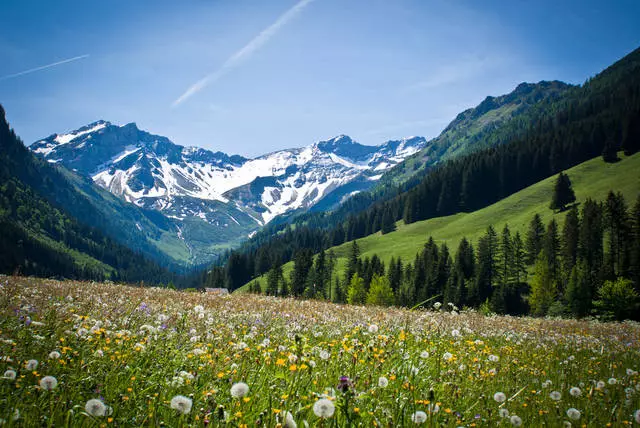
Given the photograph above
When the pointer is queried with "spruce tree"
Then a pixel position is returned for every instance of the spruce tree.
(535, 237)
(578, 294)
(570, 239)
(563, 193)
(357, 294)
(542, 287)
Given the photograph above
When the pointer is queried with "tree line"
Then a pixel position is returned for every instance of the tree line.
(589, 266)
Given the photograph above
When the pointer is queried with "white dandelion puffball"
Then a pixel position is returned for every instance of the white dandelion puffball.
(48, 383)
(10, 374)
(54, 355)
(612, 381)
(239, 390)
(555, 395)
(324, 355)
(575, 391)
(637, 416)
(383, 382)
(500, 397)
(504, 413)
(447, 356)
(373, 329)
(424, 355)
(573, 414)
(95, 407)
(437, 305)
(287, 420)
(516, 420)
(433, 408)
(31, 365)
(324, 408)
(419, 417)
(600, 384)
(182, 404)
(494, 358)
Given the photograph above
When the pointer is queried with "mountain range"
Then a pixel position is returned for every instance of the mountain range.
(224, 197)
(207, 202)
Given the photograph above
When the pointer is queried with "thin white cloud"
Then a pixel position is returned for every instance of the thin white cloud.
(244, 53)
(43, 67)
(461, 70)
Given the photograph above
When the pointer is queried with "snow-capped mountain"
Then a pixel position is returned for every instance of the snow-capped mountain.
(186, 182)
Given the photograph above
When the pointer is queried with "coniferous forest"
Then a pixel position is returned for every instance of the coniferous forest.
(599, 118)
(589, 266)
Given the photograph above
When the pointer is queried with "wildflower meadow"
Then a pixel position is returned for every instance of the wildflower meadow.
(86, 354)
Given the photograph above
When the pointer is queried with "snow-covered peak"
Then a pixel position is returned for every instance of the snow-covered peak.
(151, 171)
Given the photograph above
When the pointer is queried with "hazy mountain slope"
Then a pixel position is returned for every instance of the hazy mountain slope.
(39, 238)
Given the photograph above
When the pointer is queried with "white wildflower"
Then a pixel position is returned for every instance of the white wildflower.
(499, 397)
(48, 383)
(573, 414)
(419, 417)
(239, 389)
(95, 407)
(516, 420)
(373, 329)
(31, 365)
(324, 408)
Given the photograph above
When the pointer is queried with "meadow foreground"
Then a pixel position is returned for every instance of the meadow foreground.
(93, 354)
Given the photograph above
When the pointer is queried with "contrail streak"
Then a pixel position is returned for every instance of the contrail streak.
(244, 53)
(64, 61)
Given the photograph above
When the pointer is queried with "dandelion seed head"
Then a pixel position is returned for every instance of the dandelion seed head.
(31, 365)
(10, 374)
(239, 390)
(515, 420)
(500, 397)
(419, 417)
(324, 408)
(573, 414)
(373, 328)
(95, 407)
(48, 383)
(182, 404)
(555, 395)
(383, 382)
(575, 391)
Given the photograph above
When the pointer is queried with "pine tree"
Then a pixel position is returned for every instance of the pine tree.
(578, 294)
(563, 193)
(352, 261)
(380, 292)
(610, 150)
(634, 265)
(615, 216)
(551, 250)
(570, 239)
(357, 294)
(388, 222)
(274, 279)
(542, 287)
(302, 264)
(535, 237)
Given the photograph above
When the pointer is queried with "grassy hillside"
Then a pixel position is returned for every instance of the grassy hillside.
(592, 179)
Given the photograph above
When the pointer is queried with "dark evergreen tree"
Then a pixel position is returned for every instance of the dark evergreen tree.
(302, 264)
(570, 239)
(616, 226)
(563, 194)
(551, 249)
(535, 238)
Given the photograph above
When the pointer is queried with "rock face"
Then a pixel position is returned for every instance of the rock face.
(186, 182)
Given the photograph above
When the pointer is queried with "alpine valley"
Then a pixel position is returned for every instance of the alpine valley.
(215, 200)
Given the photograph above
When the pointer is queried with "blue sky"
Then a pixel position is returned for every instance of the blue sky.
(249, 77)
